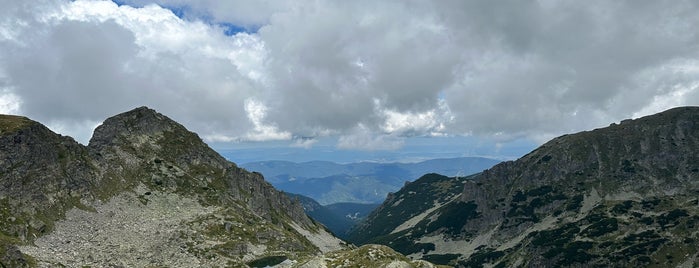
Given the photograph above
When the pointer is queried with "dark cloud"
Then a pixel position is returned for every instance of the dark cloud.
(74, 70)
(563, 66)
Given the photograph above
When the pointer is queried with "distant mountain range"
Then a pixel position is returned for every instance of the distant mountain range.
(364, 182)
(621, 196)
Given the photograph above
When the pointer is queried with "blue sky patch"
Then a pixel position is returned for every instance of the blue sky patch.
(232, 29)
(185, 13)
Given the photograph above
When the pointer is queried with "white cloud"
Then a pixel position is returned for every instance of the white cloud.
(246, 13)
(79, 130)
(158, 30)
(362, 138)
(9, 102)
(432, 121)
(673, 84)
(303, 143)
(261, 131)
(371, 72)
(85, 60)
(218, 137)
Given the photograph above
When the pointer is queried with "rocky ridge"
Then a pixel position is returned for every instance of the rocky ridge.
(150, 192)
(622, 196)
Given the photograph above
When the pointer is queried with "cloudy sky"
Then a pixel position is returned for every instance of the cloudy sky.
(351, 75)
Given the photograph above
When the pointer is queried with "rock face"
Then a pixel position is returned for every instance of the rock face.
(40, 168)
(144, 192)
(42, 174)
(625, 195)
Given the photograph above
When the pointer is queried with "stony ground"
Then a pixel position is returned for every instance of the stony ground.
(325, 241)
(104, 237)
(169, 230)
(366, 256)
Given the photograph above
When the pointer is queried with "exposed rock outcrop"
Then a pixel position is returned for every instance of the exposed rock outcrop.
(42, 174)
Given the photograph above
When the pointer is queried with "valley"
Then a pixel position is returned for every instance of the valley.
(341, 195)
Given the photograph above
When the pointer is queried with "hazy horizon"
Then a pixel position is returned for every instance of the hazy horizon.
(417, 150)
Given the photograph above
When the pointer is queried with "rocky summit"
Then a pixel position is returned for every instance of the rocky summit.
(620, 196)
(145, 192)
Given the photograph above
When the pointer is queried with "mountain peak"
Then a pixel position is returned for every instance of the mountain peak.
(143, 133)
(663, 119)
(138, 122)
(12, 123)
(680, 110)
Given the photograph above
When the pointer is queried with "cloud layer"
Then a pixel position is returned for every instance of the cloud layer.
(368, 72)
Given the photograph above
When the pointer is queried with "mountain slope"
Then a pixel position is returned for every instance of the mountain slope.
(625, 196)
(144, 192)
(42, 174)
(424, 194)
(338, 224)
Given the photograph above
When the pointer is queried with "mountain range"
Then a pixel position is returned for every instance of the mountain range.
(620, 196)
(364, 182)
(146, 192)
